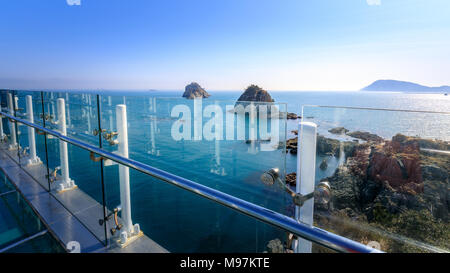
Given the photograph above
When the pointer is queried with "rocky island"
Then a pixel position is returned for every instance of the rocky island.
(254, 93)
(194, 90)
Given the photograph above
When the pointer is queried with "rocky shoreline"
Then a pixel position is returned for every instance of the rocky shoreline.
(393, 186)
(386, 190)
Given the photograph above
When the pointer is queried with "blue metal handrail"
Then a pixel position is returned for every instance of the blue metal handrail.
(313, 234)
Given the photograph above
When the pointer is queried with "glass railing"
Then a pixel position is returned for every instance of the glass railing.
(389, 176)
(208, 150)
(222, 145)
(45, 162)
(165, 133)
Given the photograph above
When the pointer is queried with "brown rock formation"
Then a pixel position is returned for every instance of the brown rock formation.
(397, 164)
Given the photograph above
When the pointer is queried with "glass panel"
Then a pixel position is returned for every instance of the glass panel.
(184, 222)
(19, 222)
(17, 218)
(42, 244)
(155, 137)
(10, 129)
(79, 189)
(32, 161)
(389, 174)
(178, 136)
(81, 114)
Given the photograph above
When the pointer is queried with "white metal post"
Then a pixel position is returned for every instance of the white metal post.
(110, 112)
(124, 172)
(2, 134)
(89, 101)
(252, 127)
(16, 108)
(218, 169)
(69, 120)
(16, 103)
(33, 160)
(52, 103)
(66, 183)
(12, 128)
(306, 176)
(198, 119)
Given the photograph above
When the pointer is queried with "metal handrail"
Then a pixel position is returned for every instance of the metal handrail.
(313, 234)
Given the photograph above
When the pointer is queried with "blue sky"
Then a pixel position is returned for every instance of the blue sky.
(222, 44)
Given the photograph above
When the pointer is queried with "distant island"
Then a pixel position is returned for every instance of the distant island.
(402, 86)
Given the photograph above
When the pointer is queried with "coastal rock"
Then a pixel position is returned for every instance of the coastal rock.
(366, 136)
(384, 180)
(291, 179)
(324, 165)
(397, 165)
(194, 90)
(433, 172)
(338, 131)
(391, 185)
(291, 145)
(327, 146)
(344, 189)
(358, 160)
(422, 143)
(292, 116)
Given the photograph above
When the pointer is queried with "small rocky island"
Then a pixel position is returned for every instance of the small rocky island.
(194, 90)
(254, 93)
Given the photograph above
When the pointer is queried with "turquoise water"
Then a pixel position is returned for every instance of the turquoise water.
(183, 222)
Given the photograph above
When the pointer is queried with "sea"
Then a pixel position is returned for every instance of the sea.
(181, 221)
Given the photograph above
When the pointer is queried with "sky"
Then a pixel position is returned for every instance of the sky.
(222, 44)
